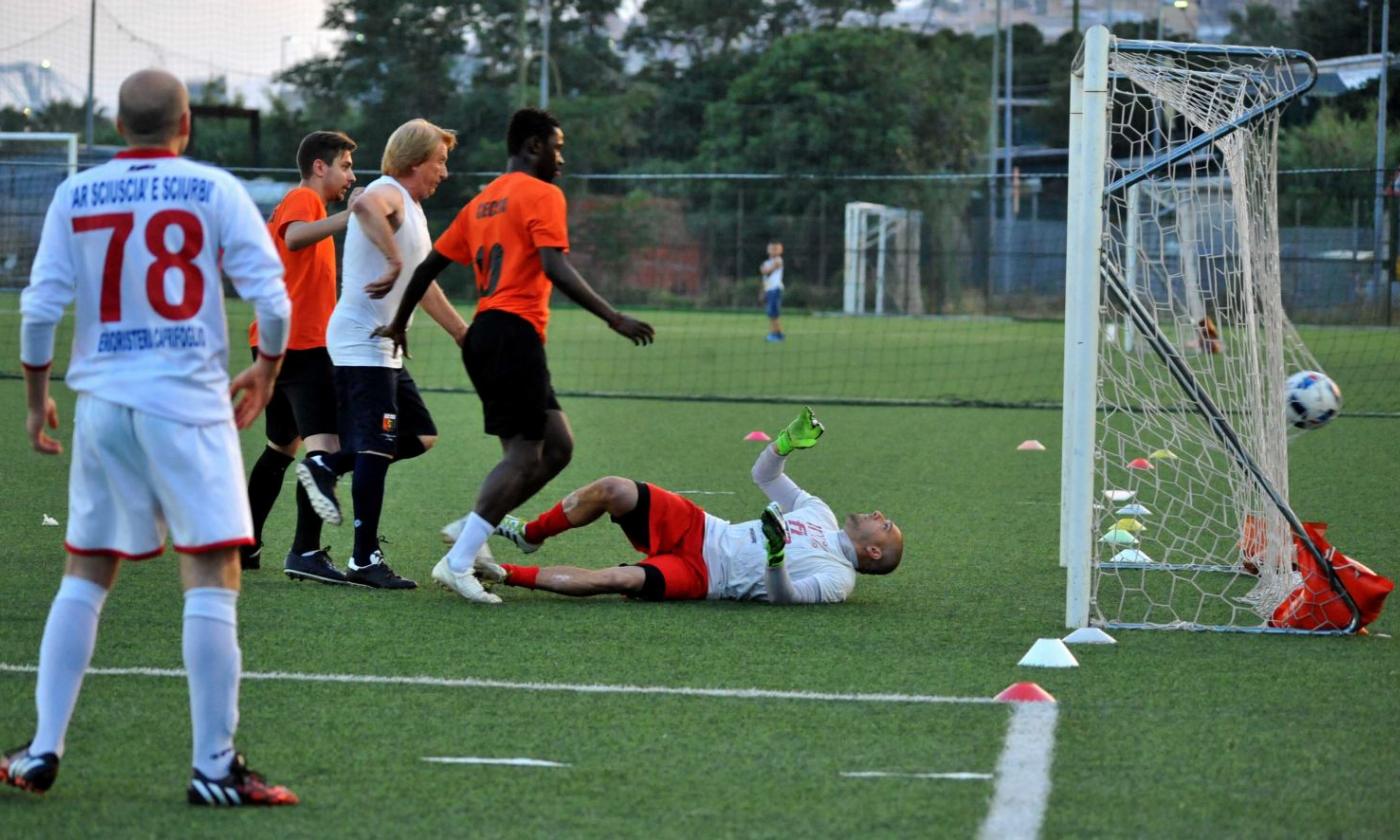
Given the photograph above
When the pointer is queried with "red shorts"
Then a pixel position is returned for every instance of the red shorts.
(675, 545)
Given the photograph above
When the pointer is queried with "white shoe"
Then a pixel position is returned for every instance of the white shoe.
(488, 570)
(452, 530)
(463, 583)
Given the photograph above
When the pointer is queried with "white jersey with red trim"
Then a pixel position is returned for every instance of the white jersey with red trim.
(138, 245)
(819, 561)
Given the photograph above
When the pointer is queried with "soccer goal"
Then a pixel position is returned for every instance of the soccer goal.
(31, 165)
(1174, 493)
(882, 260)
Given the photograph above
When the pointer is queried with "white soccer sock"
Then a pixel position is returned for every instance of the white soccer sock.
(214, 664)
(463, 552)
(64, 654)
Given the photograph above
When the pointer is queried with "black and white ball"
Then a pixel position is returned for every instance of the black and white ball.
(1311, 399)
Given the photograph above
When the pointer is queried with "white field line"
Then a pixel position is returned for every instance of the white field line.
(881, 774)
(707, 492)
(471, 759)
(576, 688)
(1023, 774)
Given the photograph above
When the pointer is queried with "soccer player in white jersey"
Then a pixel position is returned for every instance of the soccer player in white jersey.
(136, 245)
(797, 552)
(382, 416)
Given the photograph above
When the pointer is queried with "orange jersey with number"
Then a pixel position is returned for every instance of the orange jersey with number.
(310, 271)
(499, 234)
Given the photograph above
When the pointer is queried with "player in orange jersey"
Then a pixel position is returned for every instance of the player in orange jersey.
(302, 408)
(514, 235)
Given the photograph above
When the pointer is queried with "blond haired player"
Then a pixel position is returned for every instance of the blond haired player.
(382, 416)
(137, 244)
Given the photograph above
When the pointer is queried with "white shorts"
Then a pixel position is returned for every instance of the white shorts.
(135, 473)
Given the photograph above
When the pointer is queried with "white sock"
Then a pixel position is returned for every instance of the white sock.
(214, 663)
(463, 552)
(64, 654)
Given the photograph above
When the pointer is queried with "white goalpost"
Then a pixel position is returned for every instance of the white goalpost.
(32, 163)
(882, 259)
(1174, 473)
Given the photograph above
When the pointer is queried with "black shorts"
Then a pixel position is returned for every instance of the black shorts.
(378, 405)
(505, 359)
(303, 400)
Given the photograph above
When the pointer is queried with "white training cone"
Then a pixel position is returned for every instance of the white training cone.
(1031, 446)
(48, 520)
(1089, 636)
(1131, 555)
(1118, 495)
(1049, 653)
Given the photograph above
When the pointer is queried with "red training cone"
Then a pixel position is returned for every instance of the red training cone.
(1139, 464)
(1024, 692)
(757, 434)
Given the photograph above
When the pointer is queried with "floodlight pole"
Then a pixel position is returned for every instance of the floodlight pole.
(546, 12)
(992, 152)
(1378, 262)
(92, 51)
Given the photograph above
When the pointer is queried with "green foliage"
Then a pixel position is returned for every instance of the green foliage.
(1261, 24)
(845, 100)
(1333, 140)
(1329, 28)
(62, 115)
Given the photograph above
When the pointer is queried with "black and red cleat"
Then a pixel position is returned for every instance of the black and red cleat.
(34, 773)
(240, 787)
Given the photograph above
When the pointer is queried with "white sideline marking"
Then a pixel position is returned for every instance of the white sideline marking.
(471, 759)
(472, 682)
(1023, 774)
(881, 774)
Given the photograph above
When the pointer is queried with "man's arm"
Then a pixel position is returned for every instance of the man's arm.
(300, 235)
(566, 278)
(440, 309)
(767, 472)
(423, 278)
(373, 211)
(251, 263)
(52, 286)
(782, 589)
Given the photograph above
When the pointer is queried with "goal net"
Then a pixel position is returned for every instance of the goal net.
(32, 164)
(1175, 506)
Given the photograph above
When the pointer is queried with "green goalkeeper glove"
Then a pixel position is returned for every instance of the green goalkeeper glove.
(801, 433)
(775, 533)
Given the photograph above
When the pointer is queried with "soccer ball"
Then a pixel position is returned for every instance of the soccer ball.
(1311, 399)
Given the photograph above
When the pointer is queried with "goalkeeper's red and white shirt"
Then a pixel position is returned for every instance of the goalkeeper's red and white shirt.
(138, 244)
(820, 564)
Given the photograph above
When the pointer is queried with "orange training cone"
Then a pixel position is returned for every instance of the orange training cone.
(1024, 692)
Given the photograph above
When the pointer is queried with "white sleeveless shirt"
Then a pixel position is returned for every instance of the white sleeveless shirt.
(356, 314)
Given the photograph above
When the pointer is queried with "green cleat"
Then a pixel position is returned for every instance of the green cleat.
(775, 533)
(801, 433)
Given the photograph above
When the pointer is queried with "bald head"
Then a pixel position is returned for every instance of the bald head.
(152, 108)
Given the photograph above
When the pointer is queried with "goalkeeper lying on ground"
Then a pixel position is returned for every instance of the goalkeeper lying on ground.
(795, 553)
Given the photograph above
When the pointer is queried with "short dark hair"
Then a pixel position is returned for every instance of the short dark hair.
(528, 123)
(324, 146)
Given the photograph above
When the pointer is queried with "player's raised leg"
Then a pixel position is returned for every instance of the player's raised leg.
(612, 495)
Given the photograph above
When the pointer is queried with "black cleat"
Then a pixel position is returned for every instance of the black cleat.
(250, 557)
(240, 787)
(34, 773)
(376, 575)
(313, 565)
(319, 482)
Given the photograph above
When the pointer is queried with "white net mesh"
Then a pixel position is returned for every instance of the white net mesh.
(1197, 245)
